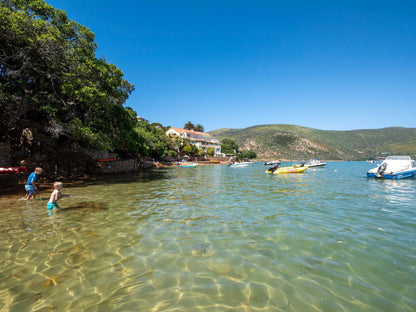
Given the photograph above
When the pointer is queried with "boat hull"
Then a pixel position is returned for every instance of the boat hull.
(393, 175)
(286, 170)
(8, 170)
(188, 165)
(318, 165)
(272, 163)
(243, 164)
(394, 168)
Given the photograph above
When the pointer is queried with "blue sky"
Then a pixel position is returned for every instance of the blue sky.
(330, 65)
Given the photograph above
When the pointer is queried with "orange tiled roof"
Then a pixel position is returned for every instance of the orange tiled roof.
(190, 131)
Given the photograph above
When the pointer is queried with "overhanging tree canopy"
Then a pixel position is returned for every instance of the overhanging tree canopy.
(48, 71)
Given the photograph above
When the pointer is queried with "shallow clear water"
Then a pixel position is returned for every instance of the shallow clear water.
(215, 238)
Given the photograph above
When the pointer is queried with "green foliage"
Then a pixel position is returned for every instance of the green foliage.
(158, 124)
(248, 154)
(188, 149)
(210, 151)
(88, 137)
(199, 128)
(283, 139)
(153, 141)
(177, 143)
(172, 153)
(48, 71)
(228, 146)
(192, 150)
(189, 126)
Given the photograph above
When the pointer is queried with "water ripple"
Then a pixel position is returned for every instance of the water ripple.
(215, 238)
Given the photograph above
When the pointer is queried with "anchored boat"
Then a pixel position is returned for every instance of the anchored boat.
(241, 164)
(316, 163)
(394, 167)
(284, 170)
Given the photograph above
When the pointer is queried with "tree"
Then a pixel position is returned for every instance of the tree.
(49, 73)
(153, 141)
(158, 125)
(210, 151)
(199, 128)
(228, 146)
(247, 154)
(189, 126)
(176, 142)
(192, 150)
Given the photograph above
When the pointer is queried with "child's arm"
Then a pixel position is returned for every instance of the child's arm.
(33, 183)
(63, 195)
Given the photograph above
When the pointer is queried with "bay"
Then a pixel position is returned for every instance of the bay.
(215, 238)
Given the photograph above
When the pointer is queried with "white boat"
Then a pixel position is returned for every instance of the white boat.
(272, 163)
(394, 167)
(316, 163)
(240, 164)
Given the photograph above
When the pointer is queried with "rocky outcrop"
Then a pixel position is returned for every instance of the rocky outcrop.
(122, 166)
(5, 154)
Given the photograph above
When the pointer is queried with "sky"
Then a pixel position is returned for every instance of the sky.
(328, 65)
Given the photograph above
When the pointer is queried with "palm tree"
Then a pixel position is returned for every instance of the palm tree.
(189, 126)
(199, 128)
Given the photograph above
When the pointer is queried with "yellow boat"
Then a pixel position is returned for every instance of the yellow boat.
(288, 170)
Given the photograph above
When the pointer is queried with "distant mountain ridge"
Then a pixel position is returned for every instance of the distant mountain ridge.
(295, 142)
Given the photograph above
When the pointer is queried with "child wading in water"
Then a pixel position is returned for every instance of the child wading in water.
(55, 196)
(30, 185)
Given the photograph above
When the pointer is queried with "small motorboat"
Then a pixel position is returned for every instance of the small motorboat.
(316, 163)
(284, 170)
(272, 163)
(240, 164)
(394, 167)
(188, 165)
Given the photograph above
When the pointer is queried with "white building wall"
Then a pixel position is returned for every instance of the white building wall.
(199, 139)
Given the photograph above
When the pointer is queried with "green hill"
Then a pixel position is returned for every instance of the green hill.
(296, 142)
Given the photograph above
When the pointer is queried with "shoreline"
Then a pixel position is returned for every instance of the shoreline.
(46, 185)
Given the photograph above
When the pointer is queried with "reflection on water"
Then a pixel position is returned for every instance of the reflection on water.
(214, 238)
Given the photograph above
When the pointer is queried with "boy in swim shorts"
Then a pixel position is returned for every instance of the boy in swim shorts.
(30, 185)
(55, 196)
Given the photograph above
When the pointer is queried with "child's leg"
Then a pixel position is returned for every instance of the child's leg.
(30, 191)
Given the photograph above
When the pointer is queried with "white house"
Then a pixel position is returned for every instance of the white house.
(201, 140)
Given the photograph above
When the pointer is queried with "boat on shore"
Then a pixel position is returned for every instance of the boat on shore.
(8, 170)
(394, 168)
(286, 170)
(188, 165)
(316, 163)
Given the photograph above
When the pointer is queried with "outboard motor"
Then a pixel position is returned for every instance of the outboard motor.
(382, 168)
(273, 169)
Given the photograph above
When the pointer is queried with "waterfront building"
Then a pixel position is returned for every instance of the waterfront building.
(201, 140)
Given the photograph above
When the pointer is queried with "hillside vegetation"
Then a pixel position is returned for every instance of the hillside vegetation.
(296, 142)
